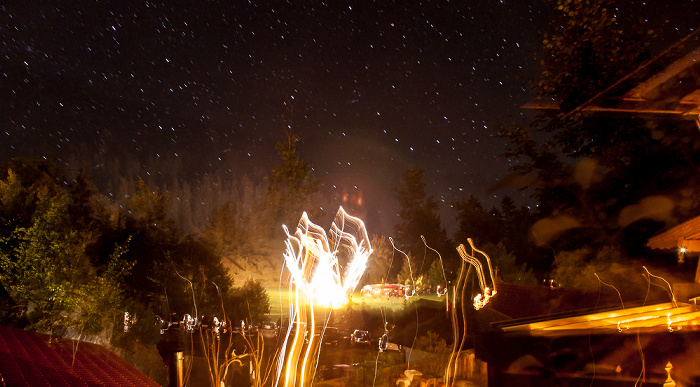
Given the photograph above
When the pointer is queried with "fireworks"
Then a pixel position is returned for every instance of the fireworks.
(313, 259)
(315, 262)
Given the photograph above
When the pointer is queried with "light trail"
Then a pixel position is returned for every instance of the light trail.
(408, 294)
(670, 289)
(314, 261)
(651, 319)
(487, 284)
(669, 320)
(480, 300)
(607, 284)
(410, 269)
(488, 290)
(442, 266)
(451, 368)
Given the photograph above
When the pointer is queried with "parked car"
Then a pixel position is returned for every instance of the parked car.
(269, 330)
(386, 345)
(360, 338)
(333, 337)
(340, 371)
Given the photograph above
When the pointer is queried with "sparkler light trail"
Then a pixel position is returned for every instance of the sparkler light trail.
(314, 262)
(487, 292)
(458, 294)
(409, 292)
(441, 266)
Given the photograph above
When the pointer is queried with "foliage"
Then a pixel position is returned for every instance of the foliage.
(12, 194)
(420, 218)
(407, 275)
(148, 208)
(198, 262)
(84, 210)
(47, 272)
(593, 167)
(374, 369)
(588, 51)
(227, 228)
(436, 275)
(505, 266)
(291, 190)
(72, 260)
(507, 225)
(234, 225)
(153, 236)
(379, 264)
(431, 342)
(64, 251)
(615, 277)
(250, 302)
(20, 181)
(104, 297)
(578, 269)
(173, 273)
(476, 222)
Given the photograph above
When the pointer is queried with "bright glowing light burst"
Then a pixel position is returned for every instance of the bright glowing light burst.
(314, 260)
(480, 300)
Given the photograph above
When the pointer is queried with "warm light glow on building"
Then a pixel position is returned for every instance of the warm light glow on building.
(667, 316)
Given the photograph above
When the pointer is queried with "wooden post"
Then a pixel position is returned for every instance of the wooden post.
(176, 369)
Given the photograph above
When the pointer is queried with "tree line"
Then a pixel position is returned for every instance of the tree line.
(72, 263)
(74, 258)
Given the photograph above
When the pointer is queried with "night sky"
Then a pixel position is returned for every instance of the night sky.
(371, 88)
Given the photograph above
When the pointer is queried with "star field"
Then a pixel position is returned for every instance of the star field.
(371, 88)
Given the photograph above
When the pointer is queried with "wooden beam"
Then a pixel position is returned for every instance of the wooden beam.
(690, 245)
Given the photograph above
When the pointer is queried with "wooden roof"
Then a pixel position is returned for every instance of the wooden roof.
(674, 237)
(649, 318)
(31, 359)
(657, 88)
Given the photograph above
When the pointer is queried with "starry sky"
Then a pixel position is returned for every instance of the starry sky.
(371, 87)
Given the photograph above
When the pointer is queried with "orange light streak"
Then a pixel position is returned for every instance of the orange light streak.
(313, 261)
(487, 292)
(479, 301)
(312, 258)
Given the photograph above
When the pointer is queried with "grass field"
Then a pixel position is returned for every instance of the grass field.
(279, 303)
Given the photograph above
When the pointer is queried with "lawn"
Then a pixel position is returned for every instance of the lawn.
(279, 303)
